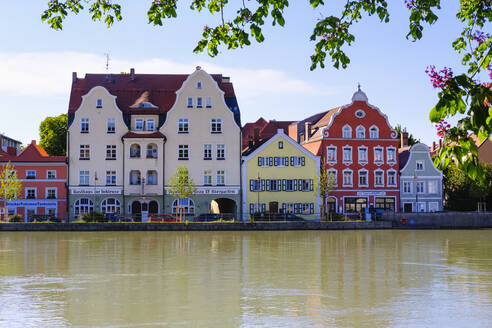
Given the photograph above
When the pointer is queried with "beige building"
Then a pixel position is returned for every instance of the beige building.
(203, 133)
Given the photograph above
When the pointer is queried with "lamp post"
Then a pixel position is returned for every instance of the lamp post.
(416, 191)
(95, 190)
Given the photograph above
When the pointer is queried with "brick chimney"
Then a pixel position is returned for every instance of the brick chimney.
(293, 131)
(250, 142)
(256, 138)
(307, 130)
(404, 138)
(12, 151)
(74, 77)
(132, 74)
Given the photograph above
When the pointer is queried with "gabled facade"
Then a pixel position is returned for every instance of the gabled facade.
(203, 133)
(359, 148)
(420, 181)
(43, 179)
(279, 176)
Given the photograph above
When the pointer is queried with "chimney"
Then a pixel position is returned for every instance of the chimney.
(250, 142)
(132, 74)
(440, 143)
(293, 131)
(12, 151)
(198, 68)
(433, 146)
(74, 77)
(256, 138)
(307, 130)
(33, 142)
(404, 138)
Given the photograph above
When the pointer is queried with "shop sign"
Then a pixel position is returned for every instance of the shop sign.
(96, 190)
(33, 203)
(214, 190)
(371, 193)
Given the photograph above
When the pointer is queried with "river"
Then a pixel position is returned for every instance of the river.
(390, 278)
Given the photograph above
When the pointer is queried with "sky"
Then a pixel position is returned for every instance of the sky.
(271, 79)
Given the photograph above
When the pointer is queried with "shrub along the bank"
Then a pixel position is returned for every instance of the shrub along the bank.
(94, 217)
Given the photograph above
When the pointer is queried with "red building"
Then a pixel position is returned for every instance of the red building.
(359, 148)
(43, 180)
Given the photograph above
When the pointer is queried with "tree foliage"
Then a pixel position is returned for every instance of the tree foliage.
(10, 186)
(411, 139)
(326, 182)
(53, 135)
(181, 186)
(461, 94)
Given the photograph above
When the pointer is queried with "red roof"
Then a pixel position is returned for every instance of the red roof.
(156, 134)
(158, 89)
(32, 153)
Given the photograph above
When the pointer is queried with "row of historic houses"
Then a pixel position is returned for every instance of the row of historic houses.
(128, 133)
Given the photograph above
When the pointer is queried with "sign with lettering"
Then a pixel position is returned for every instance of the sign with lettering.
(96, 190)
(214, 190)
(371, 193)
(33, 203)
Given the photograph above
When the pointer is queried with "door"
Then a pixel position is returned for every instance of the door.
(273, 207)
(407, 207)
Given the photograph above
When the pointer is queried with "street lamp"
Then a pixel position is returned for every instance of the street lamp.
(416, 191)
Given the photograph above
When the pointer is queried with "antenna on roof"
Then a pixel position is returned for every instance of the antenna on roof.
(107, 66)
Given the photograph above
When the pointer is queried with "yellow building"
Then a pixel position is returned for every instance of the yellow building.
(280, 176)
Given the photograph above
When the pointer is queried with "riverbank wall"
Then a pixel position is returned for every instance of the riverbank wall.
(195, 226)
(440, 220)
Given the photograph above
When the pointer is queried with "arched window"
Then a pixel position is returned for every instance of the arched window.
(186, 204)
(152, 177)
(347, 131)
(152, 150)
(135, 177)
(374, 132)
(360, 132)
(110, 205)
(82, 206)
(135, 151)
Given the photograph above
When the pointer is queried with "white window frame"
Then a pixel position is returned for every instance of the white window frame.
(367, 177)
(87, 148)
(375, 178)
(88, 176)
(435, 184)
(208, 102)
(346, 130)
(84, 122)
(199, 102)
(351, 178)
(27, 190)
(184, 148)
(220, 176)
(116, 206)
(217, 123)
(48, 174)
(99, 103)
(137, 122)
(221, 148)
(417, 162)
(198, 84)
(111, 150)
(362, 129)
(207, 177)
(347, 161)
(362, 161)
(388, 149)
(422, 183)
(432, 204)
(371, 135)
(388, 178)
(152, 173)
(110, 175)
(334, 148)
(150, 124)
(335, 184)
(111, 123)
(405, 184)
(207, 152)
(189, 102)
(31, 174)
(183, 125)
(48, 189)
(138, 153)
(381, 161)
(138, 180)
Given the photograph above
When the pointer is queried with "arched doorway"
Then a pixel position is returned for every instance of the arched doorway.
(224, 206)
(136, 210)
(153, 207)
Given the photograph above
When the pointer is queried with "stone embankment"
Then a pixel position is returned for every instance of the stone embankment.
(440, 220)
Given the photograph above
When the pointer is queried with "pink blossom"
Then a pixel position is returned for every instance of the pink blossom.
(439, 79)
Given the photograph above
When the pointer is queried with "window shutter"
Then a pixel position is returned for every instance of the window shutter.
(262, 185)
(296, 208)
(295, 184)
(303, 161)
(284, 184)
(311, 208)
(260, 161)
(251, 187)
(267, 184)
(292, 161)
(300, 185)
(263, 208)
(310, 184)
(270, 161)
(279, 185)
(283, 207)
(251, 208)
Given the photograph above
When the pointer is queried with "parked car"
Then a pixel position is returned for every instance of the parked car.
(214, 217)
(287, 217)
(162, 217)
(44, 218)
(114, 217)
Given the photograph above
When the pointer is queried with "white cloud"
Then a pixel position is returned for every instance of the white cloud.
(49, 74)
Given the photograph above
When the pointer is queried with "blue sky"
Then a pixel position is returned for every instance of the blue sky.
(271, 79)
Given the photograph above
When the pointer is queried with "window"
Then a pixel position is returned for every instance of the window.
(199, 84)
(135, 177)
(84, 152)
(420, 165)
(274, 185)
(432, 187)
(362, 154)
(220, 151)
(280, 145)
(419, 187)
(433, 207)
(257, 208)
(110, 205)
(407, 187)
(135, 151)
(84, 177)
(51, 174)
(199, 102)
(185, 206)
(387, 203)
(378, 155)
(110, 125)
(31, 174)
(207, 152)
(111, 178)
(139, 124)
(363, 181)
(82, 206)
(152, 150)
(183, 125)
(354, 204)
(152, 177)
(30, 193)
(360, 113)
(50, 193)
(347, 132)
(190, 102)
(289, 184)
(347, 178)
(84, 125)
(220, 178)
(183, 152)
(207, 177)
(150, 124)
(99, 103)
(347, 154)
(378, 178)
(331, 154)
(374, 132)
(297, 161)
(360, 132)
(332, 178)
(110, 152)
(391, 178)
(391, 155)
(208, 102)
(254, 185)
(216, 125)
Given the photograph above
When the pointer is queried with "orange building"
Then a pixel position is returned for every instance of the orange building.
(43, 179)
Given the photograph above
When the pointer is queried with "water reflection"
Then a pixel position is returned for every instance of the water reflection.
(246, 279)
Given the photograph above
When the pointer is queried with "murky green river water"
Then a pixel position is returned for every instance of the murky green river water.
(246, 279)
